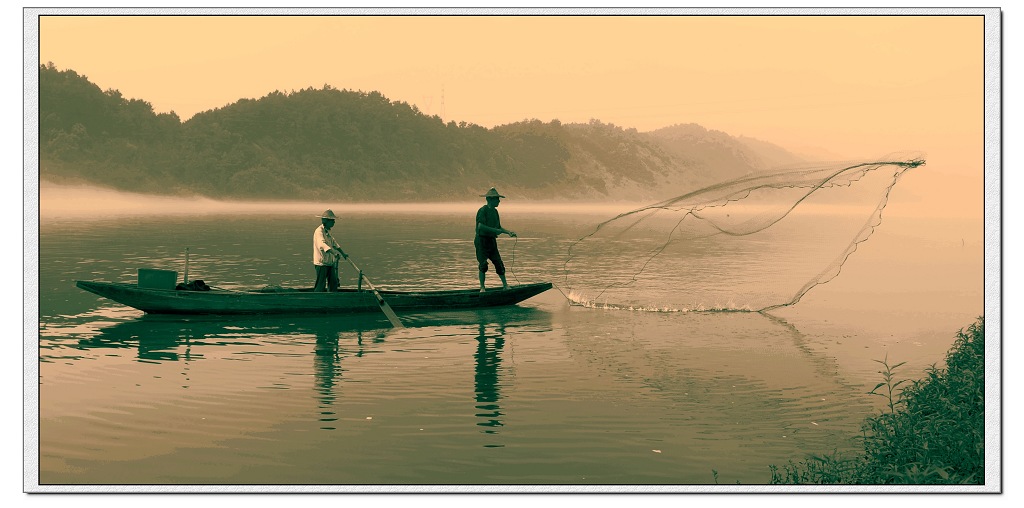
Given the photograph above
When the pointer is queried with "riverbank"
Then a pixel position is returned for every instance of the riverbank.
(932, 432)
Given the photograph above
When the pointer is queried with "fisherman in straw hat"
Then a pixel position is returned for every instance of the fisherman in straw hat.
(488, 227)
(326, 254)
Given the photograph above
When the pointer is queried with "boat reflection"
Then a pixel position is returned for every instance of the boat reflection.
(500, 316)
(160, 339)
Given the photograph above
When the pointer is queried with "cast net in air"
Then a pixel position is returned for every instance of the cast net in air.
(752, 244)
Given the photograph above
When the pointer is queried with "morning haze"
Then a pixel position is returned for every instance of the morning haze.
(838, 87)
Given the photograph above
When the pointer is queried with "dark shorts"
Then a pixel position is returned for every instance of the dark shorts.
(487, 248)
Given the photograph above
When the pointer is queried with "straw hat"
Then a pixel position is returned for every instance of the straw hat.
(328, 214)
(493, 193)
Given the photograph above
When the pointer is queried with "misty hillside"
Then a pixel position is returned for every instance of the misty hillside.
(337, 144)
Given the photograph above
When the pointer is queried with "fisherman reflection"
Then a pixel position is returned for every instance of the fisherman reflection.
(488, 362)
(327, 369)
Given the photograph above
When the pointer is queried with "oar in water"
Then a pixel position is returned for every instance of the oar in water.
(397, 323)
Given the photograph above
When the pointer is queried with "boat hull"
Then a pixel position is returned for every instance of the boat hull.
(295, 301)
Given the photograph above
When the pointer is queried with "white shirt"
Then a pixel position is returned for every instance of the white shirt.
(322, 244)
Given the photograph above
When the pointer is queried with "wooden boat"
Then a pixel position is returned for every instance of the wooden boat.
(302, 301)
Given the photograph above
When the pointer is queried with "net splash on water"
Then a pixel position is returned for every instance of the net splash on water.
(753, 244)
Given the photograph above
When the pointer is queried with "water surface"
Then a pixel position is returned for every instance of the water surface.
(543, 393)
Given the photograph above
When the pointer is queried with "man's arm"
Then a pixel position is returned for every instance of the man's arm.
(496, 231)
(337, 247)
(484, 228)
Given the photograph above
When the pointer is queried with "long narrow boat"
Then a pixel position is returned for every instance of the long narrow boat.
(302, 301)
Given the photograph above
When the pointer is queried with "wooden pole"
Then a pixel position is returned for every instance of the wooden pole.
(397, 323)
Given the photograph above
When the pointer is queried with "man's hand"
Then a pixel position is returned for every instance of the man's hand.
(510, 233)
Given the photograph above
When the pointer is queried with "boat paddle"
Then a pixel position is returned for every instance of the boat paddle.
(397, 323)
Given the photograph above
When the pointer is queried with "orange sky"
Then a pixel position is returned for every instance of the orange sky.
(843, 86)
(829, 81)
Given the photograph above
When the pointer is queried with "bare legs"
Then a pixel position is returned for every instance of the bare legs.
(483, 275)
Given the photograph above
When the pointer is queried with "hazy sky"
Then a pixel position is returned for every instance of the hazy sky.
(841, 86)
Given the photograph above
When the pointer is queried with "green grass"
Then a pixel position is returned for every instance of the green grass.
(933, 431)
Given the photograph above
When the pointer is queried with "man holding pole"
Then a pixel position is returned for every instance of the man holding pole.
(326, 254)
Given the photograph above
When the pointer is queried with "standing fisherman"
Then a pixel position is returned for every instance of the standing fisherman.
(326, 253)
(488, 227)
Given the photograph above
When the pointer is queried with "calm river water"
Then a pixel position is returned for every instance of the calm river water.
(540, 394)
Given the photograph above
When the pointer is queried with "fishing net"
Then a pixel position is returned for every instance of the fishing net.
(752, 244)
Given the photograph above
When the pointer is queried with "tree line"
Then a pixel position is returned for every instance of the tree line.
(330, 143)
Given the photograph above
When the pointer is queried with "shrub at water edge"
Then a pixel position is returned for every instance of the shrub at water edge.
(933, 431)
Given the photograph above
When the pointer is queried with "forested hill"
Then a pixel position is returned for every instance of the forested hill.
(331, 144)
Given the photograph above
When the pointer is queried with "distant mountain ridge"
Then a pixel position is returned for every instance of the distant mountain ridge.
(357, 146)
